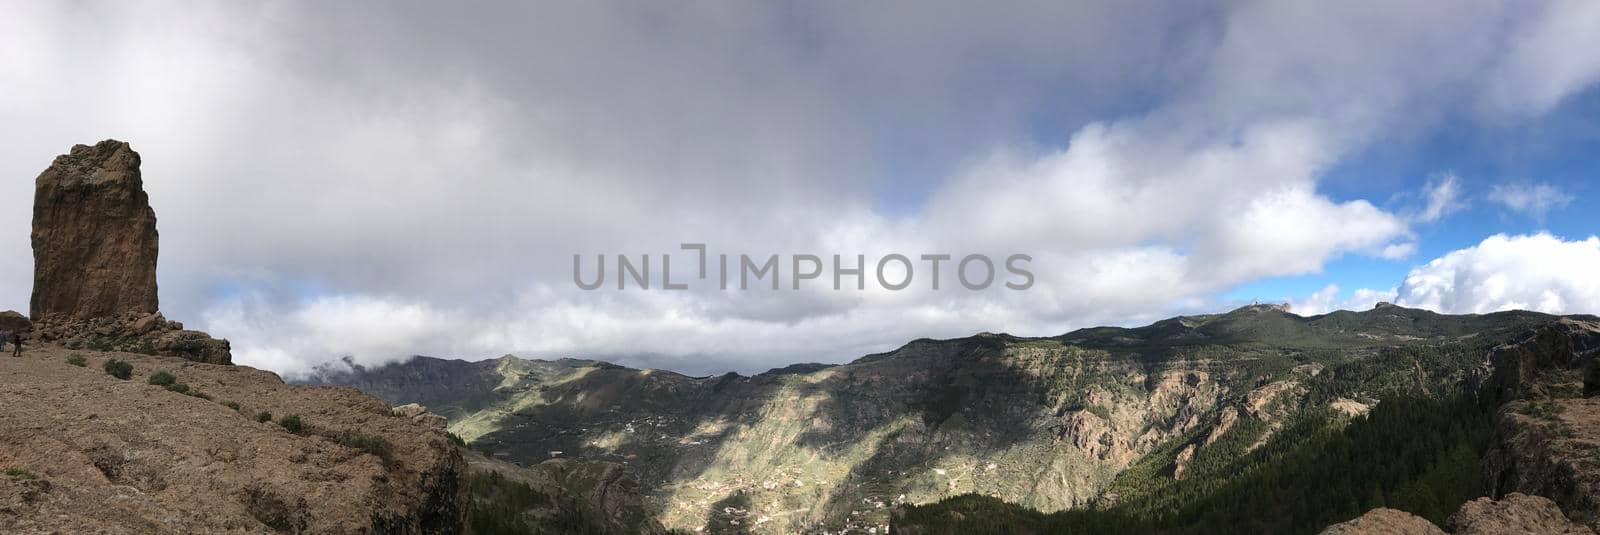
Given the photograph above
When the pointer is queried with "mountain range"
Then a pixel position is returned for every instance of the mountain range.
(1124, 428)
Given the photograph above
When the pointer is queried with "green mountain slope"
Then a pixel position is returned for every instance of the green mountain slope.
(1090, 419)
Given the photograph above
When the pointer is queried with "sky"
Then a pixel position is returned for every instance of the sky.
(384, 179)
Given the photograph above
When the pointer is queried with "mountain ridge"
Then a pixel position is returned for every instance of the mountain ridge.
(1051, 422)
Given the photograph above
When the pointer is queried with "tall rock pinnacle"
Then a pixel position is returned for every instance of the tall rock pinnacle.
(94, 236)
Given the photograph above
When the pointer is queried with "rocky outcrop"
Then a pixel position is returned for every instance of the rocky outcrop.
(95, 454)
(1548, 362)
(12, 321)
(149, 334)
(1516, 514)
(206, 447)
(1547, 448)
(1544, 442)
(1181, 464)
(94, 250)
(1385, 521)
(94, 236)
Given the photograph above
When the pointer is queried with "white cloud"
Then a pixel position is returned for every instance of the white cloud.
(1443, 196)
(1319, 302)
(1327, 300)
(1535, 272)
(1398, 251)
(1546, 60)
(1533, 200)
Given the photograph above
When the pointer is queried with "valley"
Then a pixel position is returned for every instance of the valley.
(1105, 419)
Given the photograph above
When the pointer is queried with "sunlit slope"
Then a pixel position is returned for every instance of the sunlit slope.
(1049, 423)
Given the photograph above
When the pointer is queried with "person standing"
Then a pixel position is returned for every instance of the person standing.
(16, 340)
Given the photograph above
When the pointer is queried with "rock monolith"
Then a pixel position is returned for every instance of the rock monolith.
(94, 236)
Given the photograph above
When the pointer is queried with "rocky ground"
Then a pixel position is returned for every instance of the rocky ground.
(1515, 514)
(87, 452)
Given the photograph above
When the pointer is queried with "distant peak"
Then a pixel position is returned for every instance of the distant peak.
(1258, 307)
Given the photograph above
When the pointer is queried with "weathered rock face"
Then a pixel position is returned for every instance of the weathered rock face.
(1549, 362)
(94, 235)
(1545, 435)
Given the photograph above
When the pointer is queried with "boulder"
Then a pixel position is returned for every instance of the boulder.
(1385, 521)
(196, 346)
(13, 321)
(1515, 513)
(143, 325)
(409, 410)
(94, 236)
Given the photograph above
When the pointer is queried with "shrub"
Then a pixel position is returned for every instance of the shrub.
(119, 369)
(76, 359)
(292, 423)
(178, 387)
(162, 378)
(373, 444)
(263, 417)
(232, 405)
(20, 474)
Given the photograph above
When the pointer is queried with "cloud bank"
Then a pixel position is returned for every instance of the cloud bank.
(1532, 272)
(387, 179)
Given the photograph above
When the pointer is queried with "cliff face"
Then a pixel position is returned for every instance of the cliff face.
(1547, 434)
(94, 236)
(87, 452)
(1555, 361)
